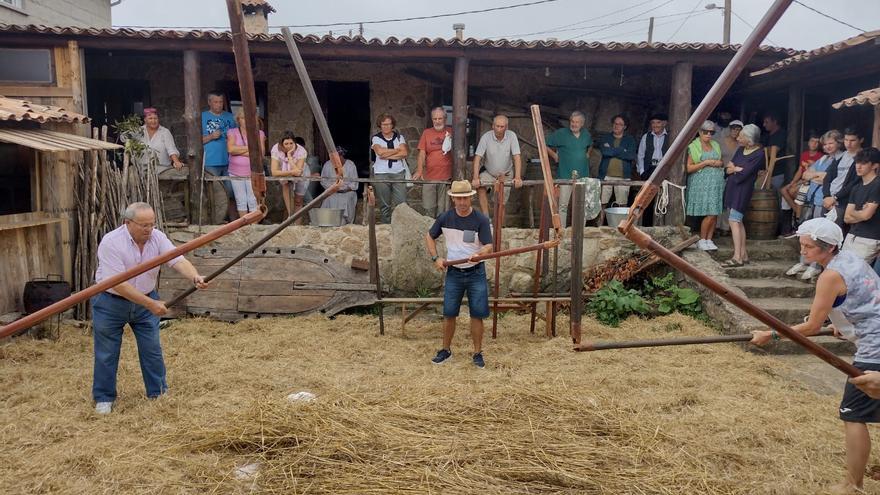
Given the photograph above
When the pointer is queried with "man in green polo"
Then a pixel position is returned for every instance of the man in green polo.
(570, 147)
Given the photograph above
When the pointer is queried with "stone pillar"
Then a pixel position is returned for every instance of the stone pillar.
(459, 117)
(679, 112)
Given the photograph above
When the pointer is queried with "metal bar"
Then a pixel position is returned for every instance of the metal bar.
(718, 90)
(545, 166)
(644, 241)
(68, 302)
(506, 252)
(508, 183)
(248, 96)
(633, 344)
(312, 98)
(577, 260)
(370, 210)
(263, 240)
(536, 278)
(437, 300)
(496, 246)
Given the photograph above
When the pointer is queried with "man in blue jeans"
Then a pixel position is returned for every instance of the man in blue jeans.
(134, 302)
(468, 234)
(215, 123)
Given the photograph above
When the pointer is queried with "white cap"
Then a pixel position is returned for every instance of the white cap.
(735, 122)
(821, 229)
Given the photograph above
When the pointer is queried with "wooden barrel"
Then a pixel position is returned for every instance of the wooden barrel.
(761, 219)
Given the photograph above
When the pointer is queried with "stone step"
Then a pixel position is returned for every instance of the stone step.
(785, 346)
(790, 310)
(775, 287)
(763, 269)
(765, 252)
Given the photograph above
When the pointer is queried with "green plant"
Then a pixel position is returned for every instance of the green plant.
(667, 297)
(130, 132)
(614, 302)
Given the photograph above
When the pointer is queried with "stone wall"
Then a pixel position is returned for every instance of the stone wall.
(404, 263)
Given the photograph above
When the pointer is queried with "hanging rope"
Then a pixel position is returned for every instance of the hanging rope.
(662, 202)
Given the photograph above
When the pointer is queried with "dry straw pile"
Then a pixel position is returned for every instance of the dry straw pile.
(540, 418)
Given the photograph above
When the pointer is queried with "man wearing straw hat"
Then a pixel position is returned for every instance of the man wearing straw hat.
(468, 234)
(134, 302)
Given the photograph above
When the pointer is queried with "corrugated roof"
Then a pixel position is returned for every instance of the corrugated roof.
(45, 140)
(391, 41)
(868, 97)
(13, 109)
(255, 3)
(818, 53)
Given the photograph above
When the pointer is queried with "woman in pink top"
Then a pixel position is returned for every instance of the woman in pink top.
(289, 160)
(240, 165)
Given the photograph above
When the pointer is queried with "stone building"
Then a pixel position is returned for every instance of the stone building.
(81, 13)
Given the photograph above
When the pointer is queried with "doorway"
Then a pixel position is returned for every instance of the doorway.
(347, 105)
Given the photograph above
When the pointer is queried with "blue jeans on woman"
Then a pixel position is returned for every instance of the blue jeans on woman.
(110, 313)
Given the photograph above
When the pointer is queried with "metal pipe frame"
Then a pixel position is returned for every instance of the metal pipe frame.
(635, 344)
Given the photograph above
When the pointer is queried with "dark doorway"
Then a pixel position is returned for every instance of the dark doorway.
(16, 163)
(347, 107)
(110, 100)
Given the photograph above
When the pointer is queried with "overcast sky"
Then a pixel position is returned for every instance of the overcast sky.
(590, 20)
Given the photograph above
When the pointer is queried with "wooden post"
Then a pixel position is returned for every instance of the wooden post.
(248, 96)
(496, 246)
(795, 129)
(76, 82)
(370, 210)
(459, 117)
(578, 191)
(875, 139)
(192, 119)
(679, 111)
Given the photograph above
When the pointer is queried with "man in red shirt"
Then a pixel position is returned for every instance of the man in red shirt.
(435, 163)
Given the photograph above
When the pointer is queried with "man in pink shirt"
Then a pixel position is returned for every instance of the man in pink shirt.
(134, 302)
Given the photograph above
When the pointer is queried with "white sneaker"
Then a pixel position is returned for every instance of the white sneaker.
(103, 407)
(710, 246)
(701, 245)
(810, 273)
(797, 268)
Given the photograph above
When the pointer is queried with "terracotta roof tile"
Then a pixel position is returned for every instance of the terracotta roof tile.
(869, 97)
(643, 47)
(13, 109)
(820, 52)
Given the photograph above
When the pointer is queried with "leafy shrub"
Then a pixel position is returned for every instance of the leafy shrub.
(658, 296)
(667, 297)
(614, 302)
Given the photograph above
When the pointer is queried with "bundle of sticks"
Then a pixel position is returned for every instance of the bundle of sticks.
(625, 267)
(102, 191)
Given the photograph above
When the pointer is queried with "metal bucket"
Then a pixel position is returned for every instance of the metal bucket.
(326, 217)
(616, 215)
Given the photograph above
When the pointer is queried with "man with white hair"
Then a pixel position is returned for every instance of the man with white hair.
(498, 152)
(570, 147)
(435, 163)
(134, 302)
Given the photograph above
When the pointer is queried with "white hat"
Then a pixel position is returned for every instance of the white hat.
(821, 229)
(735, 122)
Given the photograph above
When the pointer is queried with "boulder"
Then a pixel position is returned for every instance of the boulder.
(412, 269)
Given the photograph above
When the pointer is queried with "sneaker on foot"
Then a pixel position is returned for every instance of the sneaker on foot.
(478, 360)
(710, 246)
(103, 407)
(795, 269)
(442, 356)
(701, 245)
(810, 273)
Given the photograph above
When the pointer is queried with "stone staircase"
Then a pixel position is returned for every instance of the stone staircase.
(764, 282)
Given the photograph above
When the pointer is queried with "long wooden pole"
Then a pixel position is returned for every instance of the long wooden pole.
(545, 167)
(543, 232)
(191, 118)
(68, 302)
(263, 240)
(506, 252)
(375, 277)
(633, 344)
(577, 260)
(459, 117)
(248, 97)
(496, 246)
(312, 98)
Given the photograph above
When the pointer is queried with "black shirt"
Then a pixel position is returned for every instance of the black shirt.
(861, 194)
(776, 139)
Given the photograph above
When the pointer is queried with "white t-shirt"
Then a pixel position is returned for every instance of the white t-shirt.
(381, 165)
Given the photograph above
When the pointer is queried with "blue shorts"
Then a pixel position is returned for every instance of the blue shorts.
(735, 216)
(471, 281)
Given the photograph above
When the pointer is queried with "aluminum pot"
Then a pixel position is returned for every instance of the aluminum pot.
(326, 217)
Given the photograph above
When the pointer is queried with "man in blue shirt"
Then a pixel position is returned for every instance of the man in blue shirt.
(215, 123)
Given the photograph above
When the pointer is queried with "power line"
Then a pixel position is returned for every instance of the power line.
(642, 29)
(381, 21)
(802, 4)
(558, 29)
(610, 24)
(696, 6)
(749, 24)
(621, 22)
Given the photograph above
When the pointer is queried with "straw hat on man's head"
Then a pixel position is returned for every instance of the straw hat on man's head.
(461, 189)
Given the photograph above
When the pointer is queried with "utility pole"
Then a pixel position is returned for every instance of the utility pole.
(360, 29)
(651, 31)
(727, 10)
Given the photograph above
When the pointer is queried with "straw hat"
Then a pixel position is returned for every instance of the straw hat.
(461, 189)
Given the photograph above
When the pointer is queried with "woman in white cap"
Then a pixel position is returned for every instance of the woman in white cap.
(847, 292)
(705, 183)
